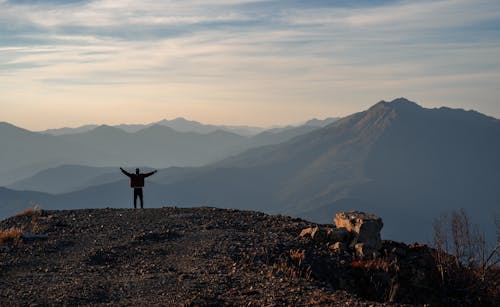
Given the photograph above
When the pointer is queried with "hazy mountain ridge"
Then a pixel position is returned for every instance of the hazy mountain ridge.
(67, 178)
(13, 202)
(104, 146)
(26, 148)
(315, 122)
(181, 124)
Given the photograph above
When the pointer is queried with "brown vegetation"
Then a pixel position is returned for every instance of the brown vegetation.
(27, 212)
(467, 271)
(10, 236)
(33, 213)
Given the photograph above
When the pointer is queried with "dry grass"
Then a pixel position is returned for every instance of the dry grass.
(376, 264)
(28, 212)
(467, 270)
(35, 213)
(298, 255)
(10, 236)
(291, 270)
(293, 265)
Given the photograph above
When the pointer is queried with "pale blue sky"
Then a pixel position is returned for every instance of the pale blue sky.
(67, 63)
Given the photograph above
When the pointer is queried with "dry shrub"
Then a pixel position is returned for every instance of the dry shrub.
(376, 279)
(34, 213)
(298, 255)
(292, 270)
(378, 264)
(293, 266)
(10, 236)
(27, 212)
(468, 273)
(30, 211)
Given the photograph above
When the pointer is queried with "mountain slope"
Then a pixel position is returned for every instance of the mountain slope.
(156, 145)
(13, 202)
(321, 122)
(396, 159)
(67, 178)
(30, 151)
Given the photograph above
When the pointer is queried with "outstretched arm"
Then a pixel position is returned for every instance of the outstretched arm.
(125, 172)
(151, 173)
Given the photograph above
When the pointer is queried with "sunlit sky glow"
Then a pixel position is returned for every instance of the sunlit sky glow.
(74, 62)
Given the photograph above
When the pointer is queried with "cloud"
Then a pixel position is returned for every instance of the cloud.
(252, 53)
(107, 13)
(403, 15)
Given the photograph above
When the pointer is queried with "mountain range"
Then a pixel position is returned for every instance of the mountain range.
(406, 163)
(155, 145)
(180, 124)
(184, 125)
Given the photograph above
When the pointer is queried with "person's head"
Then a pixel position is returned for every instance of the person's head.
(137, 171)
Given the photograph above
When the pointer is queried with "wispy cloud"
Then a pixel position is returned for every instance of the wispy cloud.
(402, 16)
(308, 59)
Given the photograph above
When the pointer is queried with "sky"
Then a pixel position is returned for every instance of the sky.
(253, 62)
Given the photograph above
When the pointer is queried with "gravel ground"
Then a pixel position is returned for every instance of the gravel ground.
(166, 256)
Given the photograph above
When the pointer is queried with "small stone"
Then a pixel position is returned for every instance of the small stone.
(315, 233)
(35, 236)
(4, 249)
(363, 250)
(338, 246)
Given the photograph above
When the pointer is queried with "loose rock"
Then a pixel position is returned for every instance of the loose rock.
(315, 233)
(365, 228)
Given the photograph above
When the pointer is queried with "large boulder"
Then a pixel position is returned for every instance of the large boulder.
(364, 227)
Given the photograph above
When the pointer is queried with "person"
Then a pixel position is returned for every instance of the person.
(137, 183)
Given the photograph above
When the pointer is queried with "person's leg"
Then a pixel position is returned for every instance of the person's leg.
(141, 197)
(135, 198)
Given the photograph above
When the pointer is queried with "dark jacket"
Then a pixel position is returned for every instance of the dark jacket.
(137, 180)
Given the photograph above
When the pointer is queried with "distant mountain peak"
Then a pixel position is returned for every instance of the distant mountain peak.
(6, 125)
(107, 129)
(403, 100)
(400, 103)
(179, 120)
(159, 128)
(10, 127)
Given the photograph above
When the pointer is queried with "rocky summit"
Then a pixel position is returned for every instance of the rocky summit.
(205, 257)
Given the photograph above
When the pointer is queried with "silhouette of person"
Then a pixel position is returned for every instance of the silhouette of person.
(137, 183)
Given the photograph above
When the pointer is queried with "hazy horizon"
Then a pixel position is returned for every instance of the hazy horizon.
(284, 124)
(66, 63)
(276, 124)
